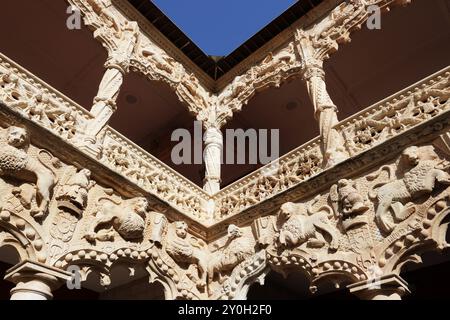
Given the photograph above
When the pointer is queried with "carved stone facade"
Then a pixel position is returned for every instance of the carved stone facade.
(350, 207)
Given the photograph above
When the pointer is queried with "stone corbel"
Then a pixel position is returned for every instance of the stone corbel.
(35, 281)
(388, 287)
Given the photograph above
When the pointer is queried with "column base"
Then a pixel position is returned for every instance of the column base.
(89, 145)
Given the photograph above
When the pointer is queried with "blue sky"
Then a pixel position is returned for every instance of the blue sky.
(220, 26)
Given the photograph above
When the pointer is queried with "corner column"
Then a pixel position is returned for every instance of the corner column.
(389, 287)
(35, 281)
(325, 111)
(104, 106)
(213, 160)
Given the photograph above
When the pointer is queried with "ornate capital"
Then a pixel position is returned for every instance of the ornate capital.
(388, 287)
(35, 281)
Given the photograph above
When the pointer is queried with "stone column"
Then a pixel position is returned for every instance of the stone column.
(35, 281)
(325, 111)
(213, 159)
(105, 101)
(388, 287)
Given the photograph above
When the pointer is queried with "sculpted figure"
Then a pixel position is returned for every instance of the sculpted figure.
(15, 162)
(76, 189)
(239, 85)
(423, 170)
(192, 87)
(160, 59)
(100, 8)
(185, 249)
(281, 59)
(298, 226)
(127, 219)
(235, 250)
(350, 200)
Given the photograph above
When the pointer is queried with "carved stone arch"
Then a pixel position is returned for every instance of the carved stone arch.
(23, 236)
(339, 272)
(164, 270)
(89, 260)
(159, 267)
(288, 262)
(243, 277)
(9, 242)
(428, 232)
(157, 275)
(86, 266)
(336, 272)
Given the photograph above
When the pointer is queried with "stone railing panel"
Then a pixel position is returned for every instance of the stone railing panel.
(34, 99)
(152, 175)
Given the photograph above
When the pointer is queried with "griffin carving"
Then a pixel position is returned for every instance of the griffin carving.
(235, 251)
(299, 225)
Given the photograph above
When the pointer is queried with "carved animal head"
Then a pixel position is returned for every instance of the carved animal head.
(181, 228)
(234, 231)
(289, 209)
(87, 173)
(141, 206)
(411, 155)
(17, 137)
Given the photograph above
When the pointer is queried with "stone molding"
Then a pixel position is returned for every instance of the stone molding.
(295, 168)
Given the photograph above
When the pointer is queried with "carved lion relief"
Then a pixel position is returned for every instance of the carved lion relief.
(188, 250)
(15, 162)
(419, 171)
